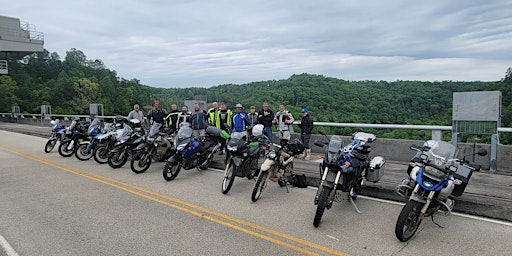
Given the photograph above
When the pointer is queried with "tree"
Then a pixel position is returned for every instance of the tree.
(7, 93)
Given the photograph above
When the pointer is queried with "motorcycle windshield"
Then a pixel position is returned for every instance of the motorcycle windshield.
(154, 130)
(184, 132)
(334, 149)
(441, 152)
(235, 138)
(93, 126)
(125, 134)
(72, 125)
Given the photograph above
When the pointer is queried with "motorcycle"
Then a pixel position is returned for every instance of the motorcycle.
(278, 166)
(57, 135)
(108, 139)
(76, 133)
(343, 170)
(156, 146)
(242, 158)
(191, 153)
(436, 177)
(131, 136)
(86, 148)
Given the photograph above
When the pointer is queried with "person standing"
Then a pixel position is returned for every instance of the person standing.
(172, 118)
(240, 120)
(253, 120)
(284, 119)
(224, 122)
(183, 117)
(306, 128)
(266, 117)
(198, 121)
(157, 114)
(213, 113)
(136, 114)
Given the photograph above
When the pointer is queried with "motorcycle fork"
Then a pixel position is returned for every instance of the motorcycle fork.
(427, 204)
(333, 191)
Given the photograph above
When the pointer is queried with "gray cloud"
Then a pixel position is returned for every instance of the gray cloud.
(205, 43)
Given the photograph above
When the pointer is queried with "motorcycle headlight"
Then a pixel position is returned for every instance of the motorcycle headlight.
(181, 146)
(272, 154)
(231, 148)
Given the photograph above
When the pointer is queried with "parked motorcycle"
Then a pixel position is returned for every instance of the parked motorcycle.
(343, 170)
(108, 139)
(85, 149)
(278, 166)
(156, 146)
(131, 136)
(76, 133)
(57, 135)
(242, 158)
(436, 177)
(191, 153)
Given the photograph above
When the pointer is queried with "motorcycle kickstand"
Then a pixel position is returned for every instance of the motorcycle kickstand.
(354, 204)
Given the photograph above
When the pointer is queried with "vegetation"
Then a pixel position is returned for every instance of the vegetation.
(70, 85)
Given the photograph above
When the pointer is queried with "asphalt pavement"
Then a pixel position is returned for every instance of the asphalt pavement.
(487, 194)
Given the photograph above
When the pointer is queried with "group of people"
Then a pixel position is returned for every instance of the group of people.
(225, 119)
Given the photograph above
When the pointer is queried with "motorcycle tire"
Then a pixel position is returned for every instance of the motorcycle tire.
(322, 204)
(117, 159)
(207, 163)
(140, 162)
(64, 151)
(101, 155)
(49, 146)
(81, 154)
(259, 186)
(229, 178)
(171, 170)
(408, 221)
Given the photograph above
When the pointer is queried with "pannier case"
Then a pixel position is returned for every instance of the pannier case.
(376, 169)
(463, 173)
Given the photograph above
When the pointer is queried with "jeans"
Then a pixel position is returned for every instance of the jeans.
(268, 132)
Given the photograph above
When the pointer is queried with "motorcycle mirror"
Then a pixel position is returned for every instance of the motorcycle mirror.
(318, 143)
(481, 152)
(322, 132)
(421, 133)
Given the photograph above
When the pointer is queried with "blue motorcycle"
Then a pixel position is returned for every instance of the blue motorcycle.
(436, 177)
(57, 135)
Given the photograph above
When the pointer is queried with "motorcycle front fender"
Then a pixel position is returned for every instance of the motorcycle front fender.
(141, 146)
(267, 164)
(118, 148)
(330, 177)
(84, 143)
(237, 161)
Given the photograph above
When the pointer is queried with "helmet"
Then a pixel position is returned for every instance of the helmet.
(304, 110)
(257, 130)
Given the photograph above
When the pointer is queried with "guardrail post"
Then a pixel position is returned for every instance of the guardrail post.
(455, 138)
(437, 135)
(494, 153)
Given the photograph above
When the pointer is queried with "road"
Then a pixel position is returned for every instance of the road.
(52, 205)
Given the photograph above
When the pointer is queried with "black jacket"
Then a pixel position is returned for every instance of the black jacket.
(265, 120)
(306, 125)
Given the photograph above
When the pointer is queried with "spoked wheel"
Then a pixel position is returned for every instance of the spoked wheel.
(140, 162)
(206, 163)
(171, 170)
(82, 154)
(101, 154)
(229, 177)
(408, 221)
(117, 159)
(322, 204)
(259, 186)
(64, 151)
(50, 145)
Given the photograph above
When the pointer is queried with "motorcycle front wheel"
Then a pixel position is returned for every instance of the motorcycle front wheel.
(101, 154)
(117, 159)
(259, 186)
(49, 146)
(64, 151)
(171, 170)
(140, 162)
(322, 204)
(408, 221)
(229, 177)
(81, 153)
(206, 163)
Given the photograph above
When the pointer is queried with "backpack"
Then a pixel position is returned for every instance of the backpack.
(300, 181)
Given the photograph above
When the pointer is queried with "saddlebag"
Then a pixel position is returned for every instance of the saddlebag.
(463, 174)
(376, 169)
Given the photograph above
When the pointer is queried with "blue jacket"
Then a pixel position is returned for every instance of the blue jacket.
(198, 120)
(239, 123)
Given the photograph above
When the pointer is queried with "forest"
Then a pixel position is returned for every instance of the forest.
(71, 84)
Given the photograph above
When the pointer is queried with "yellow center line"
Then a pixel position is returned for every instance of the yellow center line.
(192, 209)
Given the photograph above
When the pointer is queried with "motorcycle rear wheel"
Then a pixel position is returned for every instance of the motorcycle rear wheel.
(322, 204)
(64, 151)
(259, 186)
(229, 177)
(81, 154)
(408, 221)
(171, 170)
(140, 162)
(49, 146)
(117, 159)
(101, 154)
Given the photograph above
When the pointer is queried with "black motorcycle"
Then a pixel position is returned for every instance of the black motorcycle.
(343, 169)
(131, 136)
(155, 146)
(242, 158)
(76, 133)
(191, 153)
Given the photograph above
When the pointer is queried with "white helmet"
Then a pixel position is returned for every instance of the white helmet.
(257, 130)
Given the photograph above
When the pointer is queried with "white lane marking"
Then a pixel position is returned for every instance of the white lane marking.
(7, 247)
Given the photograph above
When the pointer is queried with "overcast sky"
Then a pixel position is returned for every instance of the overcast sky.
(181, 43)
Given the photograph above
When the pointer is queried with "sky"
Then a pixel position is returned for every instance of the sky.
(200, 43)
